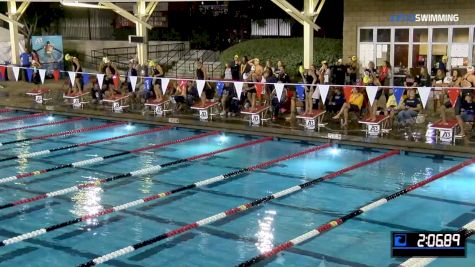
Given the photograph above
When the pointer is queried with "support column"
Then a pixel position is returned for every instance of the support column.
(309, 7)
(141, 30)
(14, 38)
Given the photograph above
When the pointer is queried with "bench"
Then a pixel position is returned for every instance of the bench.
(160, 108)
(375, 128)
(313, 119)
(257, 116)
(446, 131)
(207, 111)
(76, 100)
(117, 102)
(39, 95)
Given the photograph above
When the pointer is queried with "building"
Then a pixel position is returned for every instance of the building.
(409, 34)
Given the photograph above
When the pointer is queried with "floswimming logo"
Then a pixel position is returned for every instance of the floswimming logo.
(424, 18)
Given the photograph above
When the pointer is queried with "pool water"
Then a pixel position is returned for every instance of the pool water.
(446, 204)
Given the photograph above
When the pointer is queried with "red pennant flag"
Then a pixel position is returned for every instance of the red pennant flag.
(347, 93)
(56, 75)
(453, 95)
(116, 79)
(259, 87)
(2, 71)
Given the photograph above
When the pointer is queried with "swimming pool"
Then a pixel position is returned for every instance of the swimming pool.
(445, 204)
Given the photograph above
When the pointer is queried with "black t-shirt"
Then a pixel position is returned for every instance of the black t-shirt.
(339, 72)
(412, 103)
(235, 69)
(423, 80)
(410, 80)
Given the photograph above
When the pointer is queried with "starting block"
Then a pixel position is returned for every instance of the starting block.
(207, 111)
(39, 95)
(312, 120)
(258, 115)
(446, 130)
(77, 100)
(375, 128)
(160, 108)
(117, 101)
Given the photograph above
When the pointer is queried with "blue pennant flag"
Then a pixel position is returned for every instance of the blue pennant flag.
(85, 78)
(148, 84)
(300, 92)
(398, 92)
(220, 86)
(29, 74)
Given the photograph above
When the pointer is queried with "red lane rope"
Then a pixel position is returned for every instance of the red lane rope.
(42, 124)
(82, 130)
(5, 110)
(24, 117)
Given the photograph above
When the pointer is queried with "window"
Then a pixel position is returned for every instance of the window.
(383, 53)
(419, 55)
(366, 35)
(384, 35)
(420, 36)
(366, 54)
(438, 51)
(401, 35)
(440, 35)
(401, 53)
(460, 35)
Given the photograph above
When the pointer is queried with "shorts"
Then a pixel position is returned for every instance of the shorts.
(209, 93)
(458, 105)
(354, 108)
(158, 82)
(179, 99)
(467, 117)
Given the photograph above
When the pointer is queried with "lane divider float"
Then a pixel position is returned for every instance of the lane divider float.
(94, 160)
(5, 110)
(65, 133)
(47, 151)
(230, 212)
(156, 196)
(466, 231)
(332, 224)
(42, 124)
(23, 117)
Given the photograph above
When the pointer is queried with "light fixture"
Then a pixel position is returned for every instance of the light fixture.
(71, 3)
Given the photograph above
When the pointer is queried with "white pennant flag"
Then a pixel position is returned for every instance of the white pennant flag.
(279, 88)
(316, 93)
(238, 86)
(424, 94)
(72, 77)
(164, 85)
(371, 92)
(16, 72)
(42, 75)
(100, 79)
(200, 85)
(133, 82)
(323, 88)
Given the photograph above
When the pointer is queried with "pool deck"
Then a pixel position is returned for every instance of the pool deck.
(411, 139)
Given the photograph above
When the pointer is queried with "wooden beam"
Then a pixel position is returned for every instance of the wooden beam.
(126, 14)
(289, 8)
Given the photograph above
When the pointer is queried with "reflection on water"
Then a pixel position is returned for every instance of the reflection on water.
(146, 160)
(265, 235)
(88, 201)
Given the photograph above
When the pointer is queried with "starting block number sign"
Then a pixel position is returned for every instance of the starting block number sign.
(255, 119)
(310, 124)
(374, 129)
(203, 114)
(159, 110)
(39, 99)
(446, 135)
(76, 103)
(116, 107)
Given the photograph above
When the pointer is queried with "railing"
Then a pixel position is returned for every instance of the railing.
(191, 57)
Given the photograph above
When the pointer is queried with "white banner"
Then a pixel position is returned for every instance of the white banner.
(424, 94)
(238, 86)
(164, 85)
(42, 75)
(323, 88)
(371, 92)
(72, 76)
(100, 80)
(133, 82)
(279, 88)
(200, 84)
(16, 72)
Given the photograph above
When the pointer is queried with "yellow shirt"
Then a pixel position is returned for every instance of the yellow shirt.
(391, 102)
(357, 100)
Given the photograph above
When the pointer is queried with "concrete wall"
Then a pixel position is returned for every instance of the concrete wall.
(364, 13)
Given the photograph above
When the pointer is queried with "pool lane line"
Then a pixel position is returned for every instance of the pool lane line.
(23, 117)
(65, 133)
(230, 212)
(99, 159)
(43, 124)
(332, 224)
(467, 230)
(5, 110)
(48, 151)
(150, 170)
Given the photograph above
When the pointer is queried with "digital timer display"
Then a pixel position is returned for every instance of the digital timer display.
(434, 244)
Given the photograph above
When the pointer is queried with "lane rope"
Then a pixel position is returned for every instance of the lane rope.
(23, 117)
(332, 224)
(65, 133)
(5, 110)
(152, 197)
(467, 230)
(233, 211)
(42, 124)
(47, 151)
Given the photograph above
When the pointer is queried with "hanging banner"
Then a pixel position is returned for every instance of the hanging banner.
(29, 74)
(371, 92)
(279, 88)
(219, 88)
(72, 77)
(453, 95)
(50, 51)
(116, 80)
(100, 80)
(323, 88)
(424, 94)
(164, 84)
(200, 84)
(259, 87)
(148, 84)
(398, 92)
(2, 72)
(85, 79)
(42, 75)
(300, 92)
(238, 86)
(56, 75)
(133, 82)
(347, 93)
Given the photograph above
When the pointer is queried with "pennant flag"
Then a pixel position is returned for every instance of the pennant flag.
(148, 84)
(259, 87)
(323, 88)
(424, 94)
(238, 86)
(100, 79)
(85, 78)
(279, 88)
(42, 75)
(56, 75)
(116, 79)
(316, 93)
(219, 88)
(453, 95)
(371, 92)
(2, 71)
(72, 76)
(164, 84)
(347, 93)
(133, 82)
(398, 92)
(29, 74)
(200, 84)
(300, 92)
(16, 72)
